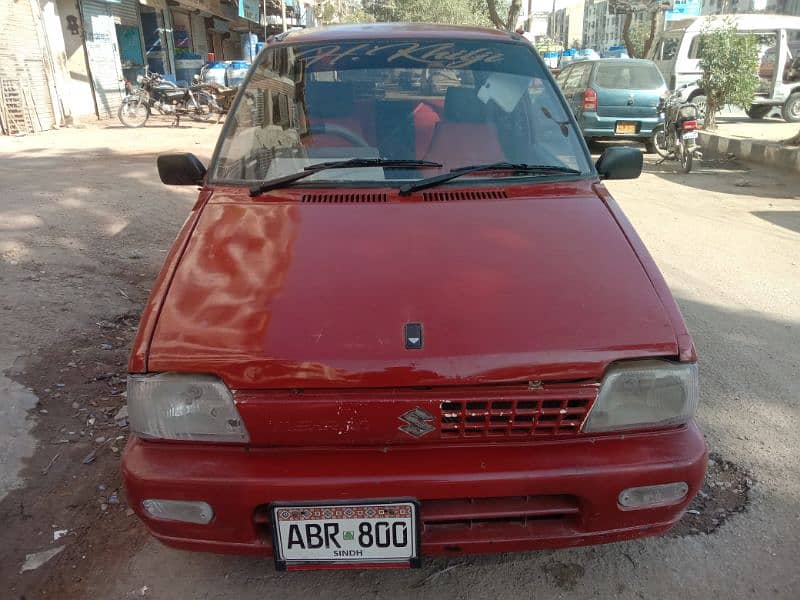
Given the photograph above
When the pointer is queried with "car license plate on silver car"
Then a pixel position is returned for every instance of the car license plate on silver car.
(357, 534)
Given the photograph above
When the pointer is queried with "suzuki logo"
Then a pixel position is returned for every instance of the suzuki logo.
(417, 422)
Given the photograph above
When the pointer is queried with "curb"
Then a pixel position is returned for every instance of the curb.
(750, 150)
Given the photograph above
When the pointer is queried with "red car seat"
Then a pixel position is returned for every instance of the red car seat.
(464, 136)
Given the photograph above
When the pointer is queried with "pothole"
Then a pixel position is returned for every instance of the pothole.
(725, 492)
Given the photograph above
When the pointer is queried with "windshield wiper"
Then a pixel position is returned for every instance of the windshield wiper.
(498, 166)
(339, 164)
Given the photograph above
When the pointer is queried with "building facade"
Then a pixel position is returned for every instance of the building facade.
(68, 60)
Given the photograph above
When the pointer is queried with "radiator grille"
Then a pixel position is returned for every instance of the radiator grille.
(536, 417)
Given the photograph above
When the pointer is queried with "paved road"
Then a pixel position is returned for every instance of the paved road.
(727, 240)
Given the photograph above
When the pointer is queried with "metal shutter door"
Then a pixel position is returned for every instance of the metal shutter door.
(199, 36)
(101, 46)
(25, 70)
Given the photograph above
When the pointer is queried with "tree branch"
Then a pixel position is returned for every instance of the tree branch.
(494, 16)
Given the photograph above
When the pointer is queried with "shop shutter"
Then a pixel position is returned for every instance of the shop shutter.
(101, 46)
(199, 35)
(26, 103)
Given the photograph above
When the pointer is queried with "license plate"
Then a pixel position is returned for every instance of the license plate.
(690, 135)
(357, 534)
(626, 128)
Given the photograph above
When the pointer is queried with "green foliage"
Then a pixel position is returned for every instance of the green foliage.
(729, 61)
(453, 12)
(639, 34)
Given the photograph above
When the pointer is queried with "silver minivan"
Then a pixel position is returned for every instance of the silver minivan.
(677, 50)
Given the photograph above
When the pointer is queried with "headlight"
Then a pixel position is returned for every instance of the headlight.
(176, 406)
(646, 393)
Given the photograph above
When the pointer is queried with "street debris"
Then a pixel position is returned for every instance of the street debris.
(59, 533)
(113, 498)
(436, 574)
(51, 463)
(90, 458)
(121, 418)
(725, 492)
(37, 559)
(106, 347)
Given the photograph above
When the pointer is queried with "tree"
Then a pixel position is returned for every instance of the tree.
(729, 60)
(638, 35)
(510, 22)
(652, 10)
(456, 12)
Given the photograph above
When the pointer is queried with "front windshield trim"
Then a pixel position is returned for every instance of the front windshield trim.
(590, 172)
(482, 181)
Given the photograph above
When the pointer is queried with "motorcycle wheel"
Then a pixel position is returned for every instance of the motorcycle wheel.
(660, 141)
(133, 112)
(684, 157)
(206, 108)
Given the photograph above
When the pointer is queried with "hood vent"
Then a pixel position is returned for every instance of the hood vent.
(464, 195)
(343, 198)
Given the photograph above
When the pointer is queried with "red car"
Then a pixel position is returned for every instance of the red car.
(405, 318)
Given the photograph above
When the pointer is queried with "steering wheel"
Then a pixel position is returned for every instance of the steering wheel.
(338, 130)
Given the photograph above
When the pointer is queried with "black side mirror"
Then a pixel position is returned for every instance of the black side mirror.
(180, 169)
(620, 163)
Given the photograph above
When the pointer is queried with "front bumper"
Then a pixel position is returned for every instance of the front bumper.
(574, 483)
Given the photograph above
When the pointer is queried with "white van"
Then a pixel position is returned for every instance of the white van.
(676, 52)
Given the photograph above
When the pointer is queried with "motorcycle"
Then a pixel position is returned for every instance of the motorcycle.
(676, 137)
(155, 93)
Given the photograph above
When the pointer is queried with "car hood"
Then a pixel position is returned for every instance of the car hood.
(294, 295)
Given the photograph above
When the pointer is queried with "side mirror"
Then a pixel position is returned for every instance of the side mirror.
(620, 163)
(180, 169)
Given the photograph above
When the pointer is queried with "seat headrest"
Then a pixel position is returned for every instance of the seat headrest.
(329, 99)
(462, 104)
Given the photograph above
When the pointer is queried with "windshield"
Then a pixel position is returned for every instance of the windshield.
(454, 103)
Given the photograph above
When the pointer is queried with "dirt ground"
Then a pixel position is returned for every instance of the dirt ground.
(84, 226)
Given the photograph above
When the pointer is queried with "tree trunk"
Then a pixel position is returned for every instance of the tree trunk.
(513, 13)
(626, 35)
(711, 113)
(656, 25)
(494, 16)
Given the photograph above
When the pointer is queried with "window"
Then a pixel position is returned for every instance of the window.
(668, 48)
(628, 75)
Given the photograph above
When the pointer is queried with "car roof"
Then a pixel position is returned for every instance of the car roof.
(382, 31)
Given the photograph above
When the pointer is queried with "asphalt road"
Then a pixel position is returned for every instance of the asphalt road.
(727, 239)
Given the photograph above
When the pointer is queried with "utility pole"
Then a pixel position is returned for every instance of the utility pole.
(283, 15)
(264, 17)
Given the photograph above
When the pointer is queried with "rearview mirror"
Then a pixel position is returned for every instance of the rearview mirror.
(620, 163)
(180, 169)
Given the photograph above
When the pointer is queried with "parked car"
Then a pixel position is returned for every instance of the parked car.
(614, 98)
(407, 325)
(677, 53)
